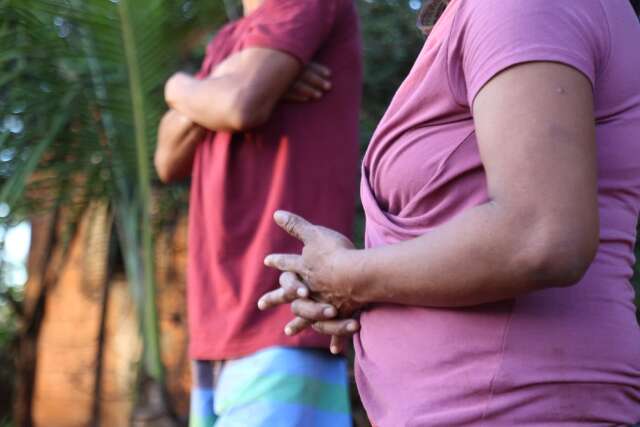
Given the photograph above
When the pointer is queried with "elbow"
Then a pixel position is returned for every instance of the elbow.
(559, 260)
(163, 169)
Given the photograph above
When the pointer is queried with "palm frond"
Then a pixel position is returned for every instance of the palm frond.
(115, 56)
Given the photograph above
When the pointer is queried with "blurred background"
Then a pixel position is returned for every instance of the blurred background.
(92, 247)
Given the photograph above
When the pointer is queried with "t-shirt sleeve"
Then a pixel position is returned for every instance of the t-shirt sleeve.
(492, 35)
(297, 27)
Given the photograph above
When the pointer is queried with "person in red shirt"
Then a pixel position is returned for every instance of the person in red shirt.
(262, 128)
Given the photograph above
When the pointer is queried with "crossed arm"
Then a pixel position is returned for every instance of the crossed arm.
(240, 94)
(536, 134)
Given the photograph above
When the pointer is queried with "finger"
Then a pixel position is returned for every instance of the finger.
(320, 69)
(337, 344)
(303, 88)
(295, 225)
(315, 80)
(293, 287)
(296, 326)
(272, 299)
(339, 327)
(285, 262)
(313, 310)
(294, 97)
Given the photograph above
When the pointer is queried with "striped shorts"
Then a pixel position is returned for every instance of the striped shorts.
(275, 387)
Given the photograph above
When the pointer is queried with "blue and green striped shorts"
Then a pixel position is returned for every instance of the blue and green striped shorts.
(275, 387)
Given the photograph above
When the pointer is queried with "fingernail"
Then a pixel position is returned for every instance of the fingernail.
(261, 305)
(334, 349)
(270, 260)
(302, 292)
(329, 311)
(279, 216)
(352, 327)
(288, 331)
(327, 85)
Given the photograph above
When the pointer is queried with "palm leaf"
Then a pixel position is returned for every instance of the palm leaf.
(118, 56)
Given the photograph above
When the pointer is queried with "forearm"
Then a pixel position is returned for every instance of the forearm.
(241, 92)
(536, 140)
(220, 103)
(209, 102)
(483, 255)
(178, 138)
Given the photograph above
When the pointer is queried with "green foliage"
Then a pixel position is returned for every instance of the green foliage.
(81, 91)
(73, 77)
(391, 43)
(8, 341)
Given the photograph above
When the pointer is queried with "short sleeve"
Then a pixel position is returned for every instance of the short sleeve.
(492, 35)
(217, 49)
(297, 27)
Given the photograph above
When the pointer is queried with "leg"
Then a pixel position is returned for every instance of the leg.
(284, 387)
(201, 413)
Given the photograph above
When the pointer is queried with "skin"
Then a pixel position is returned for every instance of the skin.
(246, 88)
(540, 229)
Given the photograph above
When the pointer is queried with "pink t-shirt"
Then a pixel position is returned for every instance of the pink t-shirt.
(562, 356)
(304, 159)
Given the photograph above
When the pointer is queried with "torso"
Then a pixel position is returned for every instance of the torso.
(304, 159)
(567, 356)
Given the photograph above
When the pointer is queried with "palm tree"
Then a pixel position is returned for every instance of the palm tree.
(80, 99)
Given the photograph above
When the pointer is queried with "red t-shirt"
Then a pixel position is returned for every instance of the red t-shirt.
(304, 159)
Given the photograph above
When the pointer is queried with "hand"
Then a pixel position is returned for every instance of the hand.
(307, 310)
(311, 84)
(322, 263)
(320, 316)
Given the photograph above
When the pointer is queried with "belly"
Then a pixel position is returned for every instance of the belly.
(568, 355)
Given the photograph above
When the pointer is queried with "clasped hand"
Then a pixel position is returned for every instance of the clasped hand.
(314, 282)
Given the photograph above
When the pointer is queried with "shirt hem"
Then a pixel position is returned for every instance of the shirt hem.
(241, 349)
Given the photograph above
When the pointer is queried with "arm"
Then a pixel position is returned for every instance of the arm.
(536, 135)
(240, 94)
(535, 130)
(177, 140)
(178, 136)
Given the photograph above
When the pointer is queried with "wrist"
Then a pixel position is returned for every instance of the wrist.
(353, 273)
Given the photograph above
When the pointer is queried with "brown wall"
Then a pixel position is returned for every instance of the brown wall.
(90, 321)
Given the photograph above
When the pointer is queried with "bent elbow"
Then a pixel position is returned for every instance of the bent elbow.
(162, 168)
(561, 262)
(563, 270)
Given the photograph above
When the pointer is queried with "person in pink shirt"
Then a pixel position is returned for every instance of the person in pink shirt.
(501, 192)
